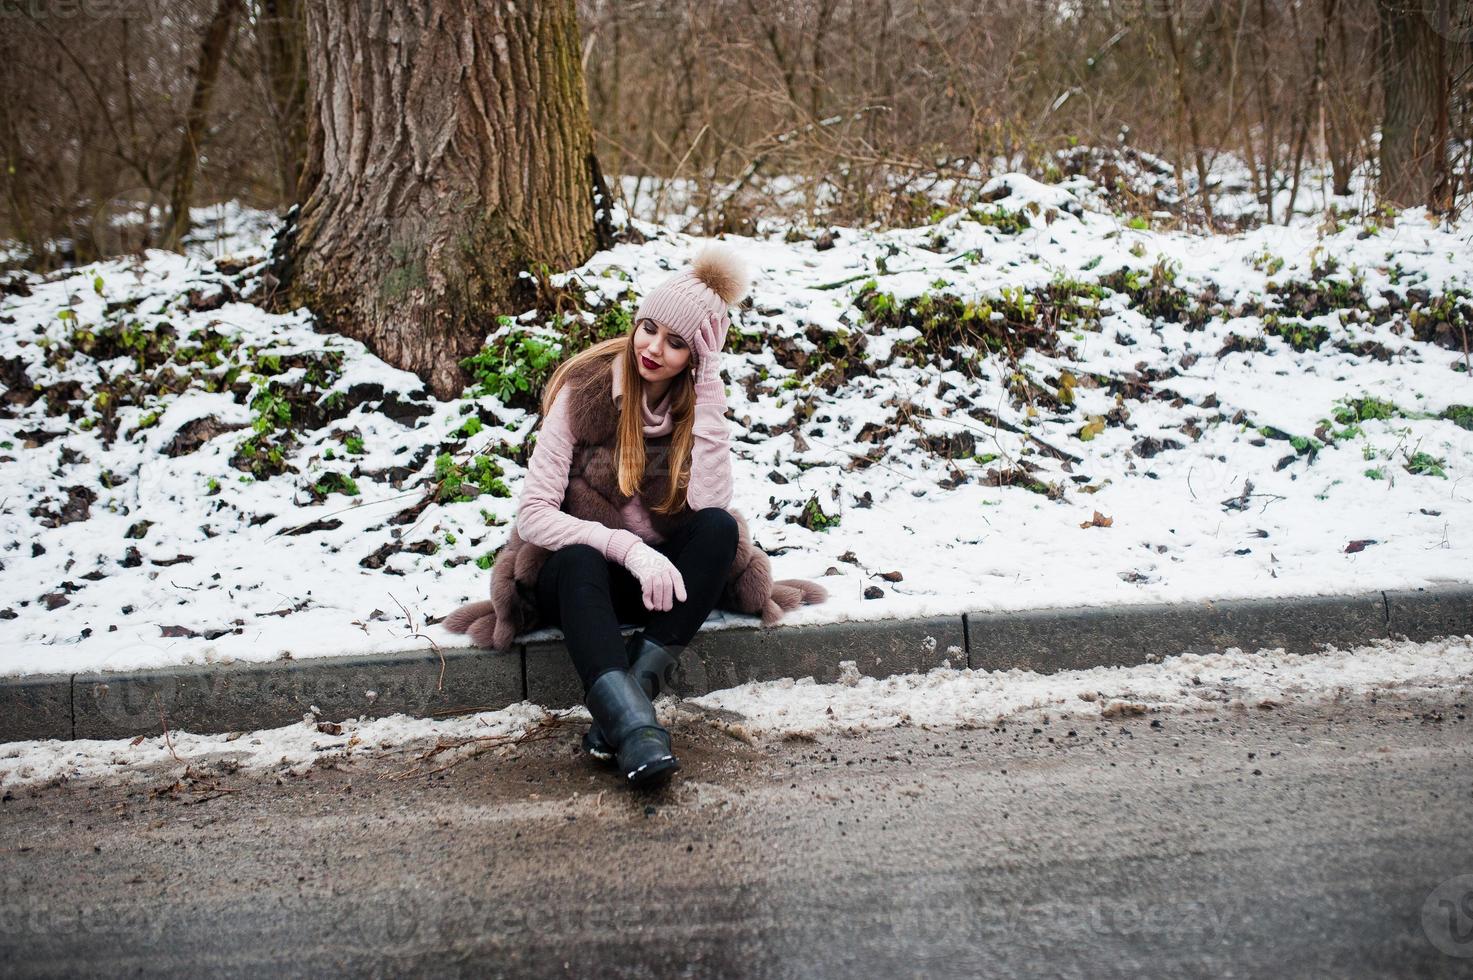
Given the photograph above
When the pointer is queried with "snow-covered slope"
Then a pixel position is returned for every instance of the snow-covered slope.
(1030, 402)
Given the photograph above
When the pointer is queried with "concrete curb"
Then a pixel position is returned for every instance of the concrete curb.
(240, 696)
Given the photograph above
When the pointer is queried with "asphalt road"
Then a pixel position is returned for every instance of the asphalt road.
(1288, 842)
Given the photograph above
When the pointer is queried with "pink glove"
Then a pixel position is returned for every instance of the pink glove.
(658, 577)
(709, 339)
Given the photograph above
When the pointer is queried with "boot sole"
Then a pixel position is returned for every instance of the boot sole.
(597, 751)
(653, 772)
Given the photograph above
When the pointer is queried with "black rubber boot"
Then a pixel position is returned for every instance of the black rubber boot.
(624, 712)
(649, 663)
(652, 664)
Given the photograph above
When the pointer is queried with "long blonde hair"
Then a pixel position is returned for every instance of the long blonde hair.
(629, 452)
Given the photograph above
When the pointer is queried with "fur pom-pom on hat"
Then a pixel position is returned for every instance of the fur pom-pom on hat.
(717, 278)
(720, 269)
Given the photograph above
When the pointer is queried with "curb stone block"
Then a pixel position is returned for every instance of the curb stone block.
(1433, 611)
(1048, 640)
(553, 683)
(38, 706)
(237, 697)
(244, 696)
(725, 658)
(879, 648)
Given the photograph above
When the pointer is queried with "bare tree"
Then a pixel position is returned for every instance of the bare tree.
(456, 154)
(281, 34)
(212, 53)
(1415, 83)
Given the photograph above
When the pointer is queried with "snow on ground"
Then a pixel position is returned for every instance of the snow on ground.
(944, 697)
(141, 525)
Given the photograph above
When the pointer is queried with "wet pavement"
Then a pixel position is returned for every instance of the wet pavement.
(1293, 841)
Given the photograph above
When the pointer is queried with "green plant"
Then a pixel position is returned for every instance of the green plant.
(1364, 409)
(1459, 415)
(1005, 221)
(273, 410)
(354, 444)
(813, 517)
(1266, 262)
(513, 367)
(1296, 333)
(1303, 444)
(1376, 474)
(459, 483)
(336, 483)
(1423, 464)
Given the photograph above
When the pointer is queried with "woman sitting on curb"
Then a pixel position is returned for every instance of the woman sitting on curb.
(624, 515)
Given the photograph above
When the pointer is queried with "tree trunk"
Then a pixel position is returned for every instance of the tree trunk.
(1312, 105)
(1187, 115)
(1414, 82)
(212, 52)
(456, 153)
(281, 33)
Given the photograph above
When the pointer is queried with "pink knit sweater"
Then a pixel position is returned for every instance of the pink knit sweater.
(540, 519)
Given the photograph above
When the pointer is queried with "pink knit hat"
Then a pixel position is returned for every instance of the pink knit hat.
(716, 280)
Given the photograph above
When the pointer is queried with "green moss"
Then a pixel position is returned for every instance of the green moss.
(407, 273)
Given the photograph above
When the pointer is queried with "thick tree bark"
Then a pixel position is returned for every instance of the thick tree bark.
(212, 53)
(1415, 82)
(456, 153)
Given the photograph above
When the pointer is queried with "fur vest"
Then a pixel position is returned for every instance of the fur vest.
(593, 494)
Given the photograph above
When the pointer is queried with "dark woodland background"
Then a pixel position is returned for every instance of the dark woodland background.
(118, 114)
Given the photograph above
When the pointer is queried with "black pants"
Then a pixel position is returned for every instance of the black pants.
(589, 596)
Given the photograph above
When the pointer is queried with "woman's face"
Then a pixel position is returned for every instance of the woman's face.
(659, 353)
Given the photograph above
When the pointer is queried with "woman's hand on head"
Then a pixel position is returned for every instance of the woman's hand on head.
(706, 345)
